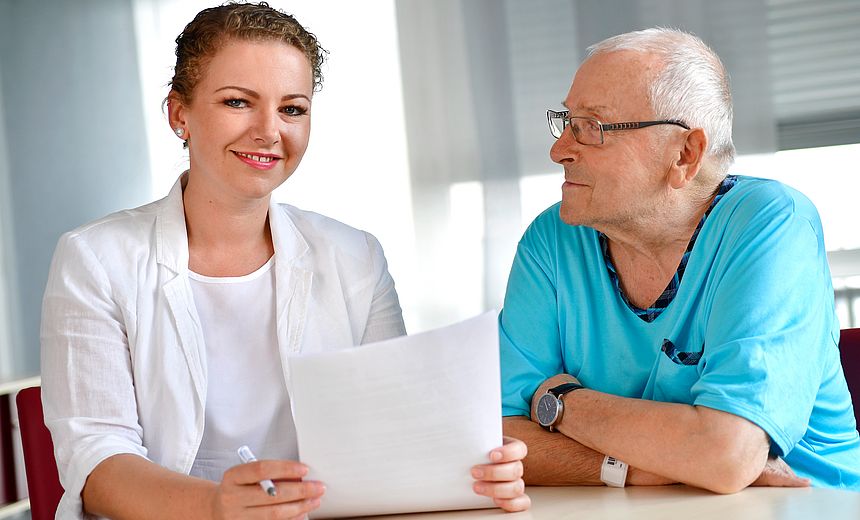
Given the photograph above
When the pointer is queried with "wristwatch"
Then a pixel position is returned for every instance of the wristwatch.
(550, 407)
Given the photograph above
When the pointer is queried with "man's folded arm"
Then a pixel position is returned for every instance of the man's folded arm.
(699, 446)
(557, 460)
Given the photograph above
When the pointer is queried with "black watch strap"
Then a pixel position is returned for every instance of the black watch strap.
(560, 390)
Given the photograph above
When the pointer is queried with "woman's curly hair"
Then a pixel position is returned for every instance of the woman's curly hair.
(204, 36)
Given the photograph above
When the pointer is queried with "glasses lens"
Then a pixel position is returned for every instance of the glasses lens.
(586, 130)
(556, 122)
(556, 126)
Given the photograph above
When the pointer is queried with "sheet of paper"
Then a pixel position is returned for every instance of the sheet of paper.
(395, 426)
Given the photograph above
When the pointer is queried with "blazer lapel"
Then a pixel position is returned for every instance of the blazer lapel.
(184, 314)
(172, 253)
(292, 281)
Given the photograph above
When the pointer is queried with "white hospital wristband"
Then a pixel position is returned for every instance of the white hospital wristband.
(613, 472)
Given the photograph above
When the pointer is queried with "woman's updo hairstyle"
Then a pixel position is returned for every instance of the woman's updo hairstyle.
(212, 28)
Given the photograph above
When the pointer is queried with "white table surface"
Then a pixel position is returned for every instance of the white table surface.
(669, 502)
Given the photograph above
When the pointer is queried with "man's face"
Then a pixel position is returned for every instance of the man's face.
(622, 181)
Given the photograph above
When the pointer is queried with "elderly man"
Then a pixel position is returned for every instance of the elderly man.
(666, 315)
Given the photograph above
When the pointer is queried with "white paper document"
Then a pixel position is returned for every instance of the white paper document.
(396, 426)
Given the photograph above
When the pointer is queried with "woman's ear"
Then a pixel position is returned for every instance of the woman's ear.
(689, 159)
(176, 116)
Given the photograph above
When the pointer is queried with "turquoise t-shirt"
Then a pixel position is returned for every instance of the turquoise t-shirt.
(751, 331)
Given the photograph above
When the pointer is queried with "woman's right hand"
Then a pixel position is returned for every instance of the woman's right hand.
(240, 496)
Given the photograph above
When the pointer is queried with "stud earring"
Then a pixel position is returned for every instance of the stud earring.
(179, 132)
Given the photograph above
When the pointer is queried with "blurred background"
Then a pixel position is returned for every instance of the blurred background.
(429, 132)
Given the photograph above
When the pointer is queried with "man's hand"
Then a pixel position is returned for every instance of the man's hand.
(777, 473)
(552, 382)
(502, 479)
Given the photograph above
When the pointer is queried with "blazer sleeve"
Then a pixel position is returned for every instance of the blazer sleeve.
(87, 383)
(385, 319)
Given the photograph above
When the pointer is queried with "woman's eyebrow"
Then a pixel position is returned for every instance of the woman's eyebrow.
(253, 93)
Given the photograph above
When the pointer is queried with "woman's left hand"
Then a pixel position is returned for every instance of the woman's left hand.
(502, 478)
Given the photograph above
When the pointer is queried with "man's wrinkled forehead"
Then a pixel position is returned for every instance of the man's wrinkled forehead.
(610, 84)
(595, 110)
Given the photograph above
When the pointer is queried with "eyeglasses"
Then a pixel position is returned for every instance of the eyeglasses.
(589, 131)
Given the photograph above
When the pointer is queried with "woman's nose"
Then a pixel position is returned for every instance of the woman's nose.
(266, 127)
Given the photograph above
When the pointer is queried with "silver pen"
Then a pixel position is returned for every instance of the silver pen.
(246, 456)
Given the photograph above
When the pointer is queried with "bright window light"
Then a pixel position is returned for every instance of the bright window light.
(465, 267)
(828, 176)
(537, 193)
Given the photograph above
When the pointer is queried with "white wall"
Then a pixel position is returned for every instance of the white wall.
(74, 138)
(7, 333)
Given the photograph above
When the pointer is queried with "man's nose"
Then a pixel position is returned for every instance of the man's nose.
(565, 148)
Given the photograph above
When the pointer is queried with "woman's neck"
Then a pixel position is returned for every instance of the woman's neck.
(226, 237)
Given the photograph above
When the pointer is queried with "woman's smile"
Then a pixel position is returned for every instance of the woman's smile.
(260, 161)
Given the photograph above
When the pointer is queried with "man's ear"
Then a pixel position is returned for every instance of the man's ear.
(690, 158)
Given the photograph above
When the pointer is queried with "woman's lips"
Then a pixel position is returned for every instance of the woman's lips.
(260, 161)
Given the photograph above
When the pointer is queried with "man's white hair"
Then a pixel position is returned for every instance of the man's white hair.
(692, 85)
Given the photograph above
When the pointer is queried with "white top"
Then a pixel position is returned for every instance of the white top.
(238, 319)
(124, 367)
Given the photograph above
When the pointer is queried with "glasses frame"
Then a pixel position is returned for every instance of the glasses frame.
(604, 127)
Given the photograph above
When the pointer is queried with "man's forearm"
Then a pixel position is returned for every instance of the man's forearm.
(695, 445)
(557, 460)
(553, 459)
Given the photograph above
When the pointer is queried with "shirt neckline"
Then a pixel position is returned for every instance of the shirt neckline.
(263, 269)
(651, 313)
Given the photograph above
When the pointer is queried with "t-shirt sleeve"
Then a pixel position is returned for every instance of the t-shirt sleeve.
(771, 319)
(528, 324)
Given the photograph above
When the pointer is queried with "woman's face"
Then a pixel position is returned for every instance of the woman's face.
(249, 119)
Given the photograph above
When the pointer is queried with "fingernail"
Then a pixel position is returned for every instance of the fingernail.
(479, 488)
(495, 456)
(477, 473)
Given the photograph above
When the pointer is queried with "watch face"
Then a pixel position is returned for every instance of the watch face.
(547, 409)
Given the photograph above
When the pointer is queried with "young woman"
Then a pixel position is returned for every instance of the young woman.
(161, 323)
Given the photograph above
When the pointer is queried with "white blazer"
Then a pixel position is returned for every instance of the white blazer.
(123, 357)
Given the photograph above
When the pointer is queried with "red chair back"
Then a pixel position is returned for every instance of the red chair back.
(849, 350)
(43, 481)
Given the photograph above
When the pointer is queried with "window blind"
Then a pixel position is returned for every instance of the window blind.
(814, 48)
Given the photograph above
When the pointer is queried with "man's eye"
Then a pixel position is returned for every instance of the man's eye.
(235, 103)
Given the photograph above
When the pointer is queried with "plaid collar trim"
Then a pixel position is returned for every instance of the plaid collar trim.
(651, 313)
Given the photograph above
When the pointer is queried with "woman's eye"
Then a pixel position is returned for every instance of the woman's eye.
(294, 111)
(236, 103)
